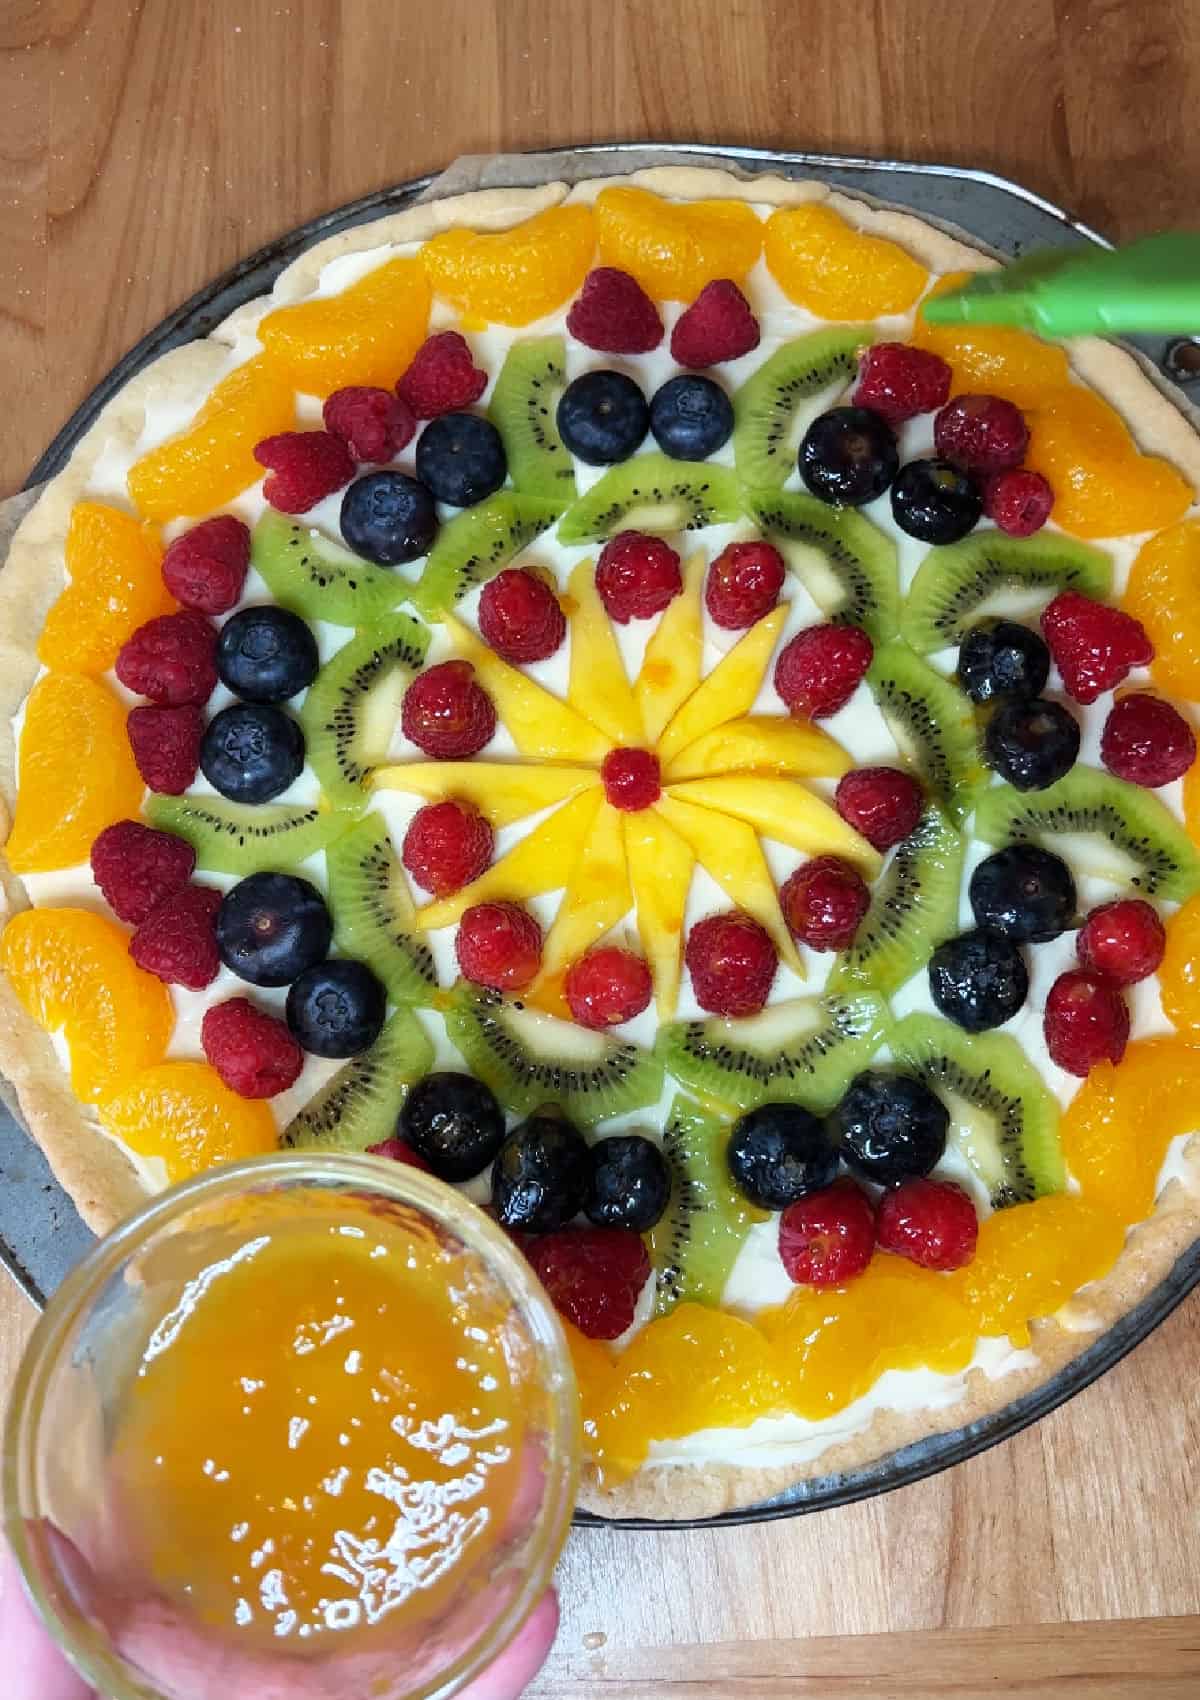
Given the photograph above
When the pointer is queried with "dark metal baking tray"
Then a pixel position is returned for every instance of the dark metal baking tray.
(41, 1236)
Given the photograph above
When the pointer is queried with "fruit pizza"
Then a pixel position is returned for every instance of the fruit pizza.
(585, 692)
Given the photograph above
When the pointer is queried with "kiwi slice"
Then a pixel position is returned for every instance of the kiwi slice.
(933, 722)
(372, 912)
(1003, 1118)
(1101, 825)
(473, 547)
(695, 1244)
(914, 906)
(359, 1106)
(350, 712)
(244, 838)
(847, 565)
(770, 416)
(653, 493)
(529, 1059)
(989, 573)
(805, 1051)
(313, 576)
(522, 409)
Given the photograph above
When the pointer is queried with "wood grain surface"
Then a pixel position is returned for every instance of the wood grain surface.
(144, 147)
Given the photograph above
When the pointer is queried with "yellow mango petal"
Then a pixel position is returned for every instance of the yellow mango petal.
(762, 743)
(729, 851)
(540, 862)
(598, 687)
(660, 872)
(540, 725)
(366, 335)
(503, 791)
(728, 691)
(673, 656)
(596, 898)
(822, 263)
(781, 809)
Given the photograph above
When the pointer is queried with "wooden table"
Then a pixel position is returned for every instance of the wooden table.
(145, 146)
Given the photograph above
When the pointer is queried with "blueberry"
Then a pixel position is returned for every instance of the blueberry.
(388, 518)
(978, 980)
(602, 417)
(1024, 892)
(1001, 659)
(778, 1153)
(266, 654)
(454, 1122)
(629, 1185)
(271, 927)
(1031, 743)
(251, 752)
(461, 458)
(541, 1174)
(890, 1127)
(849, 456)
(336, 1009)
(935, 502)
(691, 418)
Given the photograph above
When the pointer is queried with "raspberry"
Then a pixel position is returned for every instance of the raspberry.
(520, 617)
(1018, 500)
(732, 961)
(446, 713)
(305, 467)
(447, 846)
(205, 569)
(171, 660)
(374, 424)
(743, 584)
(981, 433)
(606, 986)
(1123, 940)
(828, 1238)
(166, 745)
(637, 576)
(717, 326)
(631, 779)
(443, 377)
(178, 939)
(882, 803)
(899, 382)
(254, 1054)
(1146, 741)
(137, 867)
(1086, 1021)
(821, 668)
(614, 315)
(499, 945)
(932, 1223)
(823, 903)
(1093, 645)
(593, 1276)
(400, 1152)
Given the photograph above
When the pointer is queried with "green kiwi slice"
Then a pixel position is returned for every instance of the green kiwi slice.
(770, 412)
(1003, 1118)
(473, 547)
(934, 725)
(313, 576)
(695, 1243)
(914, 906)
(350, 711)
(245, 838)
(372, 912)
(359, 1106)
(805, 1051)
(529, 1059)
(522, 409)
(989, 573)
(847, 565)
(653, 493)
(1101, 825)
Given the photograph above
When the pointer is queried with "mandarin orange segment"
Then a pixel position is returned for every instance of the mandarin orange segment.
(991, 358)
(184, 1113)
(837, 272)
(77, 773)
(72, 970)
(366, 335)
(674, 250)
(212, 461)
(114, 563)
(511, 277)
(1103, 485)
(1164, 594)
(1032, 1258)
(1179, 972)
(1117, 1127)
